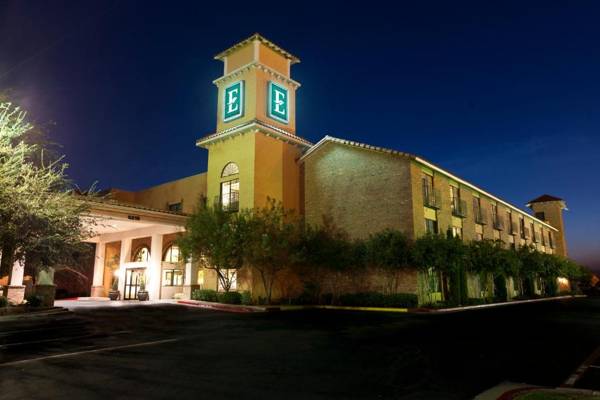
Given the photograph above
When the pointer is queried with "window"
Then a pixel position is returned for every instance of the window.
(522, 226)
(230, 169)
(428, 195)
(479, 236)
(550, 239)
(457, 232)
(431, 226)
(230, 195)
(142, 254)
(200, 279)
(454, 197)
(477, 210)
(457, 206)
(533, 236)
(540, 215)
(511, 227)
(543, 237)
(495, 215)
(172, 277)
(175, 207)
(172, 254)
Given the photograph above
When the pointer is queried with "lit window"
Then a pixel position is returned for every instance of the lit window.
(457, 232)
(142, 254)
(172, 277)
(230, 169)
(230, 195)
(172, 254)
(201, 277)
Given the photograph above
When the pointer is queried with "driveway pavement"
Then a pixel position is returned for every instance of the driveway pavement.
(163, 351)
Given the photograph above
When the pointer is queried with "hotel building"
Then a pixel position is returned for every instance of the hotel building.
(255, 153)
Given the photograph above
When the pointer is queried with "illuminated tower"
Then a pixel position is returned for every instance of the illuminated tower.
(549, 208)
(252, 155)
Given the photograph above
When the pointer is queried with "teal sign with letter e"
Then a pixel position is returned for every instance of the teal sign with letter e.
(278, 107)
(233, 101)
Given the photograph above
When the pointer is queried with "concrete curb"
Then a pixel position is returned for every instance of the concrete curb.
(247, 309)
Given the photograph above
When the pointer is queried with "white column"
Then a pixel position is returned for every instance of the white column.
(98, 280)
(124, 258)
(16, 278)
(153, 275)
(15, 292)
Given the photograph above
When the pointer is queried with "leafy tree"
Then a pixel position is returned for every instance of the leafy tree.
(271, 244)
(215, 238)
(324, 250)
(39, 214)
(389, 252)
(447, 255)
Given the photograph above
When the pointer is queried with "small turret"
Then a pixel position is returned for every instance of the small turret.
(550, 209)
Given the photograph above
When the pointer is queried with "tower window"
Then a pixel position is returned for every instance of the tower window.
(230, 169)
(230, 195)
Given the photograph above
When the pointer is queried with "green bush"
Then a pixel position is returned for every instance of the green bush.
(205, 295)
(474, 301)
(3, 301)
(246, 297)
(34, 300)
(230, 298)
(374, 299)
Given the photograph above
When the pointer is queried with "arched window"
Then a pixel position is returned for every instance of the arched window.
(172, 254)
(230, 169)
(142, 254)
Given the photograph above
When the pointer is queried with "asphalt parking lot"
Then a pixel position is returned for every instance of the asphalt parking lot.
(172, 351)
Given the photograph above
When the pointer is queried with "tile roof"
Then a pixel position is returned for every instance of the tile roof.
(257, 36)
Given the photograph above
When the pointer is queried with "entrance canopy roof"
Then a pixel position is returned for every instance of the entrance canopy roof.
(112, 220)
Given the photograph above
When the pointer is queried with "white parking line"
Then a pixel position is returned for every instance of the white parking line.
(582, 368)
(77, 353)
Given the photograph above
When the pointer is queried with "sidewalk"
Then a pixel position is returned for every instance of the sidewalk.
(510, 391)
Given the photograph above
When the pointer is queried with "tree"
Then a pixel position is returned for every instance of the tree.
(215, 238)
(39, 215)
(272, 242)
(447, 256)
(389, 252)
(323, 250)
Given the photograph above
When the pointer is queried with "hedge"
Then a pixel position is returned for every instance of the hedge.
(375, 299)
(217, 297)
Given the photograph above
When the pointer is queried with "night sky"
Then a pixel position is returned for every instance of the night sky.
(504, 95)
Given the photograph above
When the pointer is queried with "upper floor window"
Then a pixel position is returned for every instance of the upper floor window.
(540, 215)
(230, 195)
(522, 227)
(142, 254)
(230, 169)
(172, 254)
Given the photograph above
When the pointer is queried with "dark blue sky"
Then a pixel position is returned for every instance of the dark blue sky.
(504, 94)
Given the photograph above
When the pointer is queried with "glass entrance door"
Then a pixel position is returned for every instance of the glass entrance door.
(133, 278)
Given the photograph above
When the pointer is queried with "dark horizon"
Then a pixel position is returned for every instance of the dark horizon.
(502, 96)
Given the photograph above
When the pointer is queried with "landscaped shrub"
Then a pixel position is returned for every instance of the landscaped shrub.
(246, 297)
(205, 295)
(475, 301)
(230, 298)
(374, 299)
(3, 301)
(34, 300)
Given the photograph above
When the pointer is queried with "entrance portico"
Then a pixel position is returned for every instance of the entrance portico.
(130, 247)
